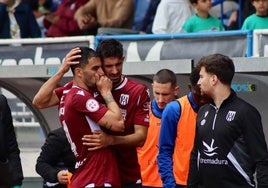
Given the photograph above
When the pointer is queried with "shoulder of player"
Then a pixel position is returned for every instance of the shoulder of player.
(80, 93)
(137, 84)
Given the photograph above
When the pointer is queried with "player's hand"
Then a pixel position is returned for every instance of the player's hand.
(69, 59)
(63, 176)
(104, 85)
(97, 140)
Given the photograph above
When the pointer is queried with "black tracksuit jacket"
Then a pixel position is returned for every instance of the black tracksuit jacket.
(229, 147)
(10, 163)
(55, 155)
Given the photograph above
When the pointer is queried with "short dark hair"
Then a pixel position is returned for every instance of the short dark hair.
(193, 1)
(109, 48)
(194, 76)
(86, 54)
(220, 65)
(164, 76)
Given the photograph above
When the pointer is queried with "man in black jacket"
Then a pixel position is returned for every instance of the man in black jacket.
(229, 144)
(11, 174)
(55, 160)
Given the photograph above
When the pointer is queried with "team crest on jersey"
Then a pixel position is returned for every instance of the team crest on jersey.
(124, 99)
(92, 105)
(230, 116)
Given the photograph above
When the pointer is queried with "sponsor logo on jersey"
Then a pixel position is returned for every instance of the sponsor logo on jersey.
(92, 105)
(210, 149)
(80, 92)
(146, 106)
(80, 163)
(146, 119)
(124, 113)
(95, 94)
(61, 111)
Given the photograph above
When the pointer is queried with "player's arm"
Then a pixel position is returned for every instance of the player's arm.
(83, 15)
(166, 143)
(81, 11)
(113, 119)
(101, 140)
(137, 139)
(46, 96)
(141, 114)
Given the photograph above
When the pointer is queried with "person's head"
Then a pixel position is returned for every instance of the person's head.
(203, 6)
(215, 69)
(164, 87)
(111, 54)
(261, 7)
(89, 69)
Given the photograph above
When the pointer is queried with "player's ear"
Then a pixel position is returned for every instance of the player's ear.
(176, 91)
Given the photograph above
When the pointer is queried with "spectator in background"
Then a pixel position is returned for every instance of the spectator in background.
(61, 22)
(170, 16)
(165, 90)
(259, 20)
(40, 9)
(177, 133)
(246, 10)
(147, 22)
(229, 6)
(11, 174)
(17, 20)
(56, 160)
(114, 14)
(140, 7)
(55, 4)
(202, 21)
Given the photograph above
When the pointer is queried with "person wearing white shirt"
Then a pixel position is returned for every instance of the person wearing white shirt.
(171, 15)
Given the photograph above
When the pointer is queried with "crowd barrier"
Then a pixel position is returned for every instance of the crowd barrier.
(260, 43)
(137, 47)
(184, 45)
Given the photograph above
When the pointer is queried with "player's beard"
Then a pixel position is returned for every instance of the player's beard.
(116, 82)
(90, 82)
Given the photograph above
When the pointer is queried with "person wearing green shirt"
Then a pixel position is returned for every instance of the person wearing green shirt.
(202, 21)
(258, 20)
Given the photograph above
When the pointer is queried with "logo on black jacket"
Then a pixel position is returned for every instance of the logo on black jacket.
(230, 116)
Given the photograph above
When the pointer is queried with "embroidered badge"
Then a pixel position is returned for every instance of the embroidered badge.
(92, 105)
(230, 116)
